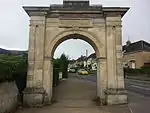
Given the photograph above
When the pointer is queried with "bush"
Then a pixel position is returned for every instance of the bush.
(55, 76)
(64, 65)
(14, 68)
(129, 71)
(60, 65)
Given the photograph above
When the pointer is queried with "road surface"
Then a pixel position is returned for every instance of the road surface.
(136, 86)
(138, 93)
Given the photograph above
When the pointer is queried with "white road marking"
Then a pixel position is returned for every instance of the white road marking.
(136, 83)
(131, 110)
(130, 80)
(139, 87)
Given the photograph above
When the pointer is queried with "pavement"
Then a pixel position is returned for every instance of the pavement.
(138, 93)
(75, 95)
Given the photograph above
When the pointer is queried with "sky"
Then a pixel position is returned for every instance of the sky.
(14, 24)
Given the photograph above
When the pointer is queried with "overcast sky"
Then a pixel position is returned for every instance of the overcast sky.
(14, 24)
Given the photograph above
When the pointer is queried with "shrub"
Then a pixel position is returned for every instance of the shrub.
(130, 71)
(60, 65)
(14, 68)
(64, 65)
(55, 76)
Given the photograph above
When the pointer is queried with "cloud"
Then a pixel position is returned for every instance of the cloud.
(15, 22)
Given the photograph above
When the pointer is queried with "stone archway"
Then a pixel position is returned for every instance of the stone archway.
(100, 26)
(80, 34)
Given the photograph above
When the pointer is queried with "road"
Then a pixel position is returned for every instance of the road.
(136, 86)
(138, 94)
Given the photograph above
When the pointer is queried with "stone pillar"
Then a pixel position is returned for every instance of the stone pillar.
(115, 92)
(101, 78)
(48, 79)
(34, 92)
(31, 56)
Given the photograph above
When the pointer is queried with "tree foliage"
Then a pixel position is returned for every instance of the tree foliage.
(64, 61)
(14, 68)
(61, 65)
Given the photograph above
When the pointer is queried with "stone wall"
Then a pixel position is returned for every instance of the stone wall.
(8, 97)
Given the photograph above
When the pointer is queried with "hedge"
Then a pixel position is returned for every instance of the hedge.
(55, 76)
(130, 71)
(64, 65)
(14, 68)
(60, 65)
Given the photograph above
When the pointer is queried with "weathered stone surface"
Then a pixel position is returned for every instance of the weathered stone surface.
(33, 97)
(116, 99)
(116, 96)
(49, 28)
(8, 97)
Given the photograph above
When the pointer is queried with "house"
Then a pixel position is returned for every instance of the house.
(81, 61)
(72, 64)
(136, 54)
(86, 62)
(91, 62)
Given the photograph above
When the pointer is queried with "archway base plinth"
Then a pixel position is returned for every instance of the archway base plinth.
(34, 97)
(116, 96)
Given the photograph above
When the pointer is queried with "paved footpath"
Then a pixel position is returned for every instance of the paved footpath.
(75, 95)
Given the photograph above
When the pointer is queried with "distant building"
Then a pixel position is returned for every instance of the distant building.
(72, 64)
(137, 54)
(81, 61)
(85, 62)
(91, 61)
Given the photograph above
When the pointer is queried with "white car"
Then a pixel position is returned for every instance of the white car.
(71, 70)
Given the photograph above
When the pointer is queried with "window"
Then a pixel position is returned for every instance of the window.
(132, 64)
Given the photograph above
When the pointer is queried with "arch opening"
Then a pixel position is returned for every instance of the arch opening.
(76, 36)
(91, 41)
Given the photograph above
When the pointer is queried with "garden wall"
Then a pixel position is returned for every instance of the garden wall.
(8, 97)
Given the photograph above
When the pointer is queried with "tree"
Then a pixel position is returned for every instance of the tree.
(64, 61)
(56, 63)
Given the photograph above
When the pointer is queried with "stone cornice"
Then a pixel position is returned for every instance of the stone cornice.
(36, 11)
(107, 11)
(114, 11)
(114, 25)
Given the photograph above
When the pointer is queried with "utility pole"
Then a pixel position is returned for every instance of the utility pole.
(86, 58)
(86, 53)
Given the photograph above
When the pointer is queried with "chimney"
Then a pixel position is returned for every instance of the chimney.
(128, 43)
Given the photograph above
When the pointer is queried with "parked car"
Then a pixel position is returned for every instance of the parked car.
(71, 70)
(82, 72)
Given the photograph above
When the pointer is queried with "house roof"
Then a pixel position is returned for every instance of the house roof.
(82, 58)
(72, 61)
(93, 55)
(137, 46)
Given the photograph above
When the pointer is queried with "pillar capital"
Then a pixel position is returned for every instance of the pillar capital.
(48, 58)
(101, 59)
